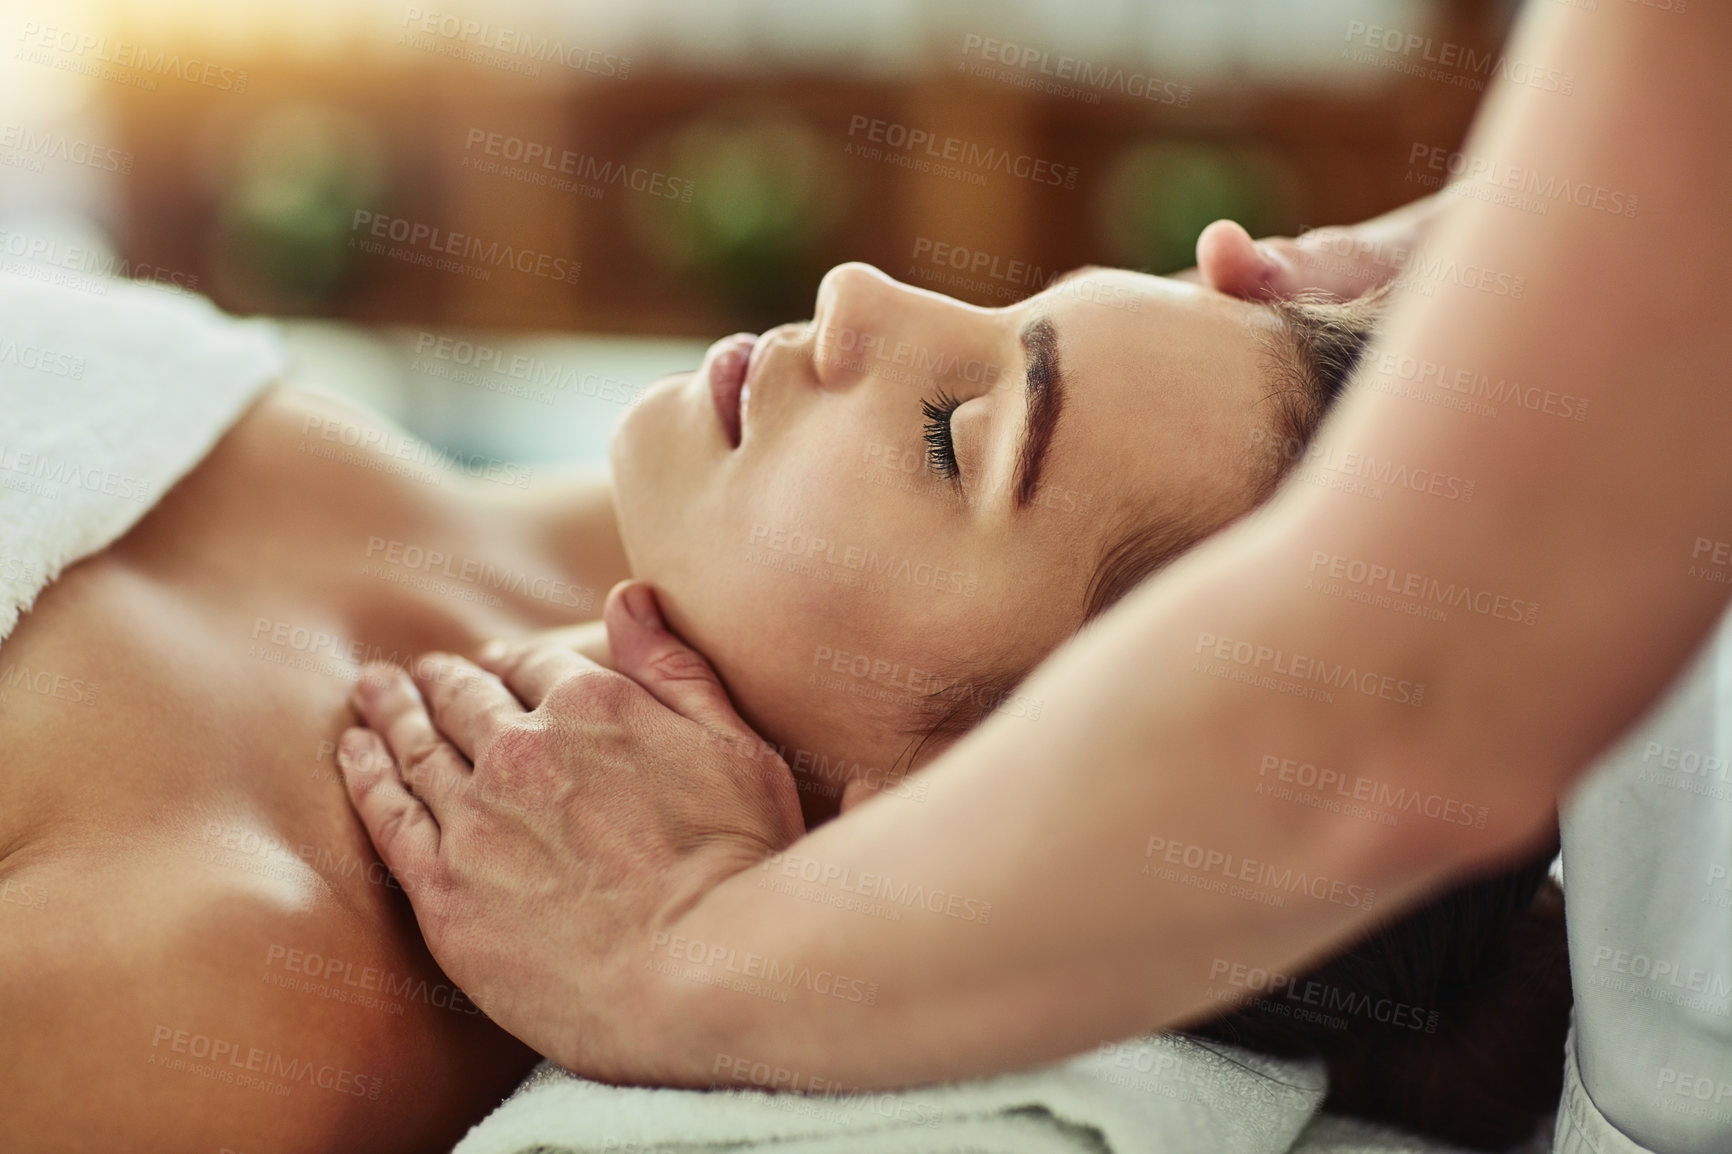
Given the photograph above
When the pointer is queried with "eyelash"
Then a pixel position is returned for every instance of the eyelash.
(940, 447)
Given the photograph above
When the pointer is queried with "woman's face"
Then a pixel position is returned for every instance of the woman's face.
(918, 490)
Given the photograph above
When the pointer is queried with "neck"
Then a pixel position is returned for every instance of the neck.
(569, 516)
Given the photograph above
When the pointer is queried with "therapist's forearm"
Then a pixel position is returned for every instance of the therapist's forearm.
(1151, 735)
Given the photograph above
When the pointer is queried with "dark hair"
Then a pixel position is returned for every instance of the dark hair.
(1452, 1018)
(1484, 966)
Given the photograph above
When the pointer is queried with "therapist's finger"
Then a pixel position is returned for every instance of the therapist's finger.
(469, 705)
(677, 675)
(1229, 261)
(1343, 262)
(532, 670)
(402, 829)
(428, 765)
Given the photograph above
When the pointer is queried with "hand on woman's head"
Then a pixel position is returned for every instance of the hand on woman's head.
(922, 497)
(1341, 261)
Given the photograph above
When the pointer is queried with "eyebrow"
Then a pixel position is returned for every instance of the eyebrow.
(1045, 390)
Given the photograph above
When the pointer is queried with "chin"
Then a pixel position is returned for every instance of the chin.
(633, 470)
(655, 411)
(657, 477)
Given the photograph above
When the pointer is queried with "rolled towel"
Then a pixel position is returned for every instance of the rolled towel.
(1163, 1093)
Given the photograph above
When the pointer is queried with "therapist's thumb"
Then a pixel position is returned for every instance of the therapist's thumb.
(677, 675)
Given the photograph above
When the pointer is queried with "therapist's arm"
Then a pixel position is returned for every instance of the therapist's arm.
(1597, 522)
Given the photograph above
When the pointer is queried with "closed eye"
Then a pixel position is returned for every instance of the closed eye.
(940, 446)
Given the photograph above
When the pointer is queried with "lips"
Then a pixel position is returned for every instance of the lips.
(726, 364)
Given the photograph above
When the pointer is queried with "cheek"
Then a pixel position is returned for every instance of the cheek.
(652, 480)
(835, 694)
(774, 575)
(806, 574)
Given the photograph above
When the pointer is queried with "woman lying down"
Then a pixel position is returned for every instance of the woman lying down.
(200, 950)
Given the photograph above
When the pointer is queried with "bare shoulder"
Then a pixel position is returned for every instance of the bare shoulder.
(150, 1007)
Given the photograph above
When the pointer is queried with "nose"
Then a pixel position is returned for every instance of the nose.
(867, 324)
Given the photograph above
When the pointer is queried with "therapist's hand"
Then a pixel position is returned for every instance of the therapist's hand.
(546, 816)
(1342, 260)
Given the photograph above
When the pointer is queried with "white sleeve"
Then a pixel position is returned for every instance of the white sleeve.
(1647, 854)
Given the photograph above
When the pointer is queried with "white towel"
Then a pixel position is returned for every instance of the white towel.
(1165, 1094)
(110, 392)
(1336, 1134)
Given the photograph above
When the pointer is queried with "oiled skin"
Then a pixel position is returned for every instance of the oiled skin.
(173, 831)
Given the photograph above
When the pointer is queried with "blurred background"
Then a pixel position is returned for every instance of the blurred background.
(500, 221)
